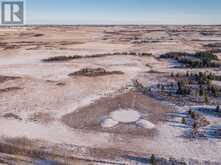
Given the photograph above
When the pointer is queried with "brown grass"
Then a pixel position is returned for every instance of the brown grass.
(88, 117)
(20, 146)
(41, 117)
(19, 150)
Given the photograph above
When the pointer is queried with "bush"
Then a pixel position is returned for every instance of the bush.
(193, 115)
(206, 100)
(218, 108)
(197, 60)
(201, 91)
(182, 88)
(153, 160)
(183, 121)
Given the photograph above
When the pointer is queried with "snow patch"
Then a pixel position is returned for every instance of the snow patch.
(125, 116)
(108, 123)
(145, 124)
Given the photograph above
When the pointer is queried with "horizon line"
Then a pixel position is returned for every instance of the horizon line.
(90, 24)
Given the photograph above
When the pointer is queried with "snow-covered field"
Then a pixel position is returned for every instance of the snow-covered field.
(45, 93)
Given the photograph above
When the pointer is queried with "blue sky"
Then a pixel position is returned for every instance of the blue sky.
(123, 11)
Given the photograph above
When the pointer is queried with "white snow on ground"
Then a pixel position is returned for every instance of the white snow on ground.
(55, 133)
(39, 95)
(125, 115)
(108, 123)
(169, 142)
(30, 65)
(145, 124)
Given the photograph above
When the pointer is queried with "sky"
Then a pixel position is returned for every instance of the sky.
(123, 11)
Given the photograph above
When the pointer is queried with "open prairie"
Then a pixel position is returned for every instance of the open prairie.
(110, 94)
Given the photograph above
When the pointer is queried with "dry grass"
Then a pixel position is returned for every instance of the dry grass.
(88, 117)
(26, 151)
(20, 146)
(29, 148)
(41, 117)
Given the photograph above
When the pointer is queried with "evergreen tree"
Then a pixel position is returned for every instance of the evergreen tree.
(193, 115)
(201, 90)
(194, 129)
(183, 121)
(217, 108)
(206, 98)
(214, 91)
(153, 160)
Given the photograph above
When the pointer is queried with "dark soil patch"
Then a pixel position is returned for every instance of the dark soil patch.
(95, 72)
(89, 117)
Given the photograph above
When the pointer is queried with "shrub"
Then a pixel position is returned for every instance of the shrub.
(218, 108)
(197, 60)
(201, 91)
(193, 115)
(183, 121)
(195, 129)
(206, 100)
(153, 160)
(182, 88)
